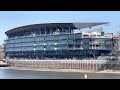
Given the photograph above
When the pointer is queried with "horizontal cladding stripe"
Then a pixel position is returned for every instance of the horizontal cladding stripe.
(63, 52)
(53, 49)
(44, 36)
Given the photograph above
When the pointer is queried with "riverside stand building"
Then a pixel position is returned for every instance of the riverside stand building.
(58, 41)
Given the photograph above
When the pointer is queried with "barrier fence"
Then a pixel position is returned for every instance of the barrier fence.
(66, 64)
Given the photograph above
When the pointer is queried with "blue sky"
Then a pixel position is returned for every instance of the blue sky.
(12, 19)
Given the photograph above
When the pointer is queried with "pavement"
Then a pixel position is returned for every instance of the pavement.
(63, 70)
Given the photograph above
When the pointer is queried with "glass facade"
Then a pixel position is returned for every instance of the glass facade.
(57, 40)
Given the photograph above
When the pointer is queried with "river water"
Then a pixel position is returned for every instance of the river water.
(27, 74)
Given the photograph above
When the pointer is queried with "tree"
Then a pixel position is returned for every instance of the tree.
(116, 44)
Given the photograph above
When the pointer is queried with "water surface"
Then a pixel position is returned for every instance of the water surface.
(27, 74)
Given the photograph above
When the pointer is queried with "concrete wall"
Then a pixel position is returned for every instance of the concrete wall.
(61, 64)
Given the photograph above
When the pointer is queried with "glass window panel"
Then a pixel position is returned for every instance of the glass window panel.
(39, 38)
(62, 42)
(39, 47)
(50, 38)
(50, 42)
(71, 41)
(9, 45)
(18, 44)
(85, 46)
(77, 46)
(78, 41)
(60, 37)
(71, 36)
(27, 48)
(85, 40)
(26, 39)
(102, 46)
(6, 41)
(28, 44)
(78, 35)
(70, 46)
(101, 40)
(62, 47)
(50, 47)
(39, 43)
(108, 41)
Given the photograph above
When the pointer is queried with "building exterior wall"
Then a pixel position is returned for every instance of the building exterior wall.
(56, 42)
(2, 53)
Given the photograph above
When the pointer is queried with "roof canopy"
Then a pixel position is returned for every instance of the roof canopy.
(87, 25)
(48, 25)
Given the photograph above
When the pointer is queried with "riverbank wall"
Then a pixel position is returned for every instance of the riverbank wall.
(86, 65)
